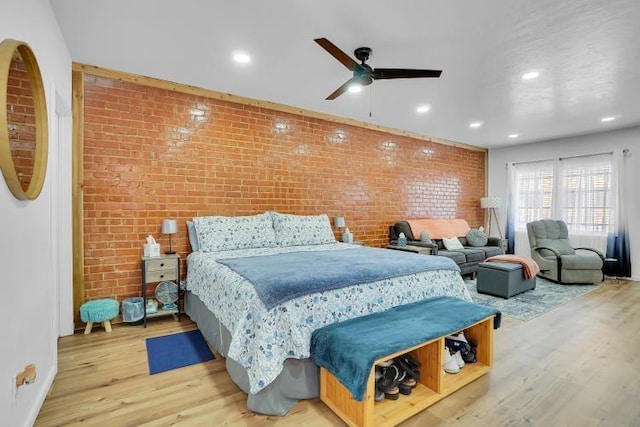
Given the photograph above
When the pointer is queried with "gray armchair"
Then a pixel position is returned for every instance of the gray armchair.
(557, 259)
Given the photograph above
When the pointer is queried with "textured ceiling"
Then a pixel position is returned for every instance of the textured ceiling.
(587, 53)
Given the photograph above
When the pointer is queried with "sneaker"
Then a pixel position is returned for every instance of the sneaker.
(450, 365)
(457, 357)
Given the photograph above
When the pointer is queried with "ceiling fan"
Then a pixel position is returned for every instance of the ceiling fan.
(363, 74)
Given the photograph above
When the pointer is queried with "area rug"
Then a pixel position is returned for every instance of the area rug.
(176, 351)
(530, 304)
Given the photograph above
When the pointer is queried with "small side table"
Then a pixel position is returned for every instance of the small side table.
(159, 269)
(608, 268)
(409, 248)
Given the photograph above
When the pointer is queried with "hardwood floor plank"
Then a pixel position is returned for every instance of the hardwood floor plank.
(577, 365)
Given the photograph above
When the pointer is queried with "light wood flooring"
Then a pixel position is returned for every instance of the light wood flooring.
(578, 365)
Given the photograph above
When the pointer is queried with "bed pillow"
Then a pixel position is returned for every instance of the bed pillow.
(452, 244)
(193, 237)
(223, 233)
(477, 238)
(297, 230)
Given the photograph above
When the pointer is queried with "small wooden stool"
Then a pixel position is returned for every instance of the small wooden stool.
(99, 311)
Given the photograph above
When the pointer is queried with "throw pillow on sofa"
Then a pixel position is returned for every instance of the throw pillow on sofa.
(452, 244)
(477, 238)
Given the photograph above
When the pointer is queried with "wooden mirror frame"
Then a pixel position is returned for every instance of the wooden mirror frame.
(7, 49)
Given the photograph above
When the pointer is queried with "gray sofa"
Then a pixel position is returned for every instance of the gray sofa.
(467, 258)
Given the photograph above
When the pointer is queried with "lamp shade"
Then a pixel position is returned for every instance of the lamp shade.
(491, 202)
(338, 222)
(169, 226)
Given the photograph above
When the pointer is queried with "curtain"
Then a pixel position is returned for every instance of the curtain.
(531, 199)
(510, 232)
(618, 236)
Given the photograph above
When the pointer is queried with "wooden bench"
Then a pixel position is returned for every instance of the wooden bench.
(433, 385)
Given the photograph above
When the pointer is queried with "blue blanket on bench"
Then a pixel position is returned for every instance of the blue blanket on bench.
(348, 349)
(282, 277)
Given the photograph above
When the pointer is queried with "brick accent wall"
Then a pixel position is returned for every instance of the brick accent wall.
(151, 153)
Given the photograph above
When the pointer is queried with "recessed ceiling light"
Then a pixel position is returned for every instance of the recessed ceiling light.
(241, 57)
(355, 88)
(607, 119)
(514, 135)
(423, 108)
(475, 124)
(530, 75)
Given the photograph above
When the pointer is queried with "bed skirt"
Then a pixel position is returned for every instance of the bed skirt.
(300, 379)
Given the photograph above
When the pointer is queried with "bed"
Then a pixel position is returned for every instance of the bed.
(266, 342)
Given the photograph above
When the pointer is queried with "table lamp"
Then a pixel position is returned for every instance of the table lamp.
(169, 226)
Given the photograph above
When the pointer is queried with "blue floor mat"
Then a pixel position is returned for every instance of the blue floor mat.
(177, 350)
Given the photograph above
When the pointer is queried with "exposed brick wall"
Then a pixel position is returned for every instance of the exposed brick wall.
(21, 122)
(151, 154)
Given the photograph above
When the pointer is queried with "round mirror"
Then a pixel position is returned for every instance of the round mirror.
(23, 120)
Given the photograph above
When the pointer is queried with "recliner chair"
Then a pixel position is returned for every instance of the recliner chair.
(557, 259)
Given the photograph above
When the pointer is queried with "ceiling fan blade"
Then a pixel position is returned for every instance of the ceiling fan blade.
(403, 73)
(335, 51)
(342, 89)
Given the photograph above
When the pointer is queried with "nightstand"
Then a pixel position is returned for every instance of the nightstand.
(159, 269)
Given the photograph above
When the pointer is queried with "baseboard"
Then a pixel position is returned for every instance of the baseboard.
(44, 391)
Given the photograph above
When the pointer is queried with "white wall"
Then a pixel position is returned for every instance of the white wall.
(31, 239)
(585, 144)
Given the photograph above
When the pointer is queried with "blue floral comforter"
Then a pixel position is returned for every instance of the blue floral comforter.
(261, 338)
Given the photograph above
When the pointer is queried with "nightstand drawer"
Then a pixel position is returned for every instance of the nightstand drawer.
(161, 264)
(159, 276)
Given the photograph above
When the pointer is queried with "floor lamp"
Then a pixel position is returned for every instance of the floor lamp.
(492, 203)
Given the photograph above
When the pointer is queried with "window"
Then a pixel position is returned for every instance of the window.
(533, 192)
(586, 194)
(576, 190)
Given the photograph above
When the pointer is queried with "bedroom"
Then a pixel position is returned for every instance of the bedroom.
(27, 233)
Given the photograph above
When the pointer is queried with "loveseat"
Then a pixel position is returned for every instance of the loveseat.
(475, 249)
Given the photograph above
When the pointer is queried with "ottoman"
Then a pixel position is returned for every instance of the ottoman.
(99, 311)
(502, 279)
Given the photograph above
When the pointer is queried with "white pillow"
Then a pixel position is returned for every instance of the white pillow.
(452, 244)
(223, 233)
(297, 230)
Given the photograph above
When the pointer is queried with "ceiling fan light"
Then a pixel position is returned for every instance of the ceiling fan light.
(421, 109)
(355, 88)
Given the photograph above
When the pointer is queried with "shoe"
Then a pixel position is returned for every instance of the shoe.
(379, 395)
(388, 383)
(458, 337)
(457, 357)
(450, 365)
(378, 373)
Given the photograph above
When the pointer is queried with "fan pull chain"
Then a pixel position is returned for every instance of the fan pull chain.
(370, 99)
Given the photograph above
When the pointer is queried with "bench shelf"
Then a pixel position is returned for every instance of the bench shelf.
(433, 386)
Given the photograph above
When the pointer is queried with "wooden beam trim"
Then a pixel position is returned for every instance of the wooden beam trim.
(77, 84)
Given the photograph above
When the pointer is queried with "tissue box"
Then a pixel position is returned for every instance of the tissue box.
(151, 250)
